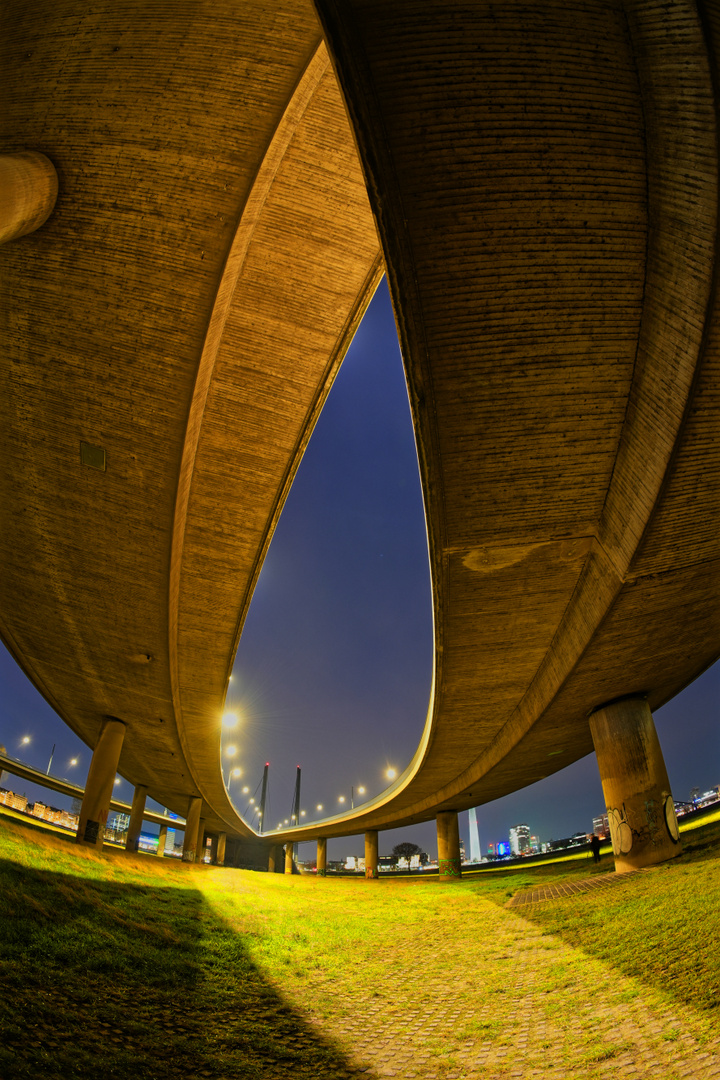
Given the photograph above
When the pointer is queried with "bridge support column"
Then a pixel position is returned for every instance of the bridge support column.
(221, 842)
(192, 820)
(200, 842)
(288, 858)
(371, 854)
(162, 840)
(322, 856)
(99, 785)
(274, 858)
(136, 817)
(448, 835)
(639, 802)
(28, 191)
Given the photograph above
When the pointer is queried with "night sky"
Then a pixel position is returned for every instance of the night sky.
(333, 670)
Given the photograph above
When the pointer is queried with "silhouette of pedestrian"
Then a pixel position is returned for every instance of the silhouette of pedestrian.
(595, 845)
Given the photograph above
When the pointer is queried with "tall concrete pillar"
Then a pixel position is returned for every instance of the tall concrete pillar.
(274, 858)
(221, 842)
(322, 856)
(288, 858)
(162, 840)
(640, 807)
(99, 784)
(448, 835)
(192, 820)
(371, 854)
(136, 817)
(28, 191)
(200, 843)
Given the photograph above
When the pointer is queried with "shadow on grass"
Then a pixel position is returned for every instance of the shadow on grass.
(660, 927)
(111, 980)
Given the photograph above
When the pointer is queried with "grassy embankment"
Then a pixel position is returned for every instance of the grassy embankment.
(120, 966)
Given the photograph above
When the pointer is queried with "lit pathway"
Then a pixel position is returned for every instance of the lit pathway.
(569, 888)
(498, 998)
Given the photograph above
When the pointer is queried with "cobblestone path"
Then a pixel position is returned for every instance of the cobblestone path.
(568, 888)
(505, 999)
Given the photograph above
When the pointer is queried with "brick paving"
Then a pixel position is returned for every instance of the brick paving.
(506, 1000)
(569, 888)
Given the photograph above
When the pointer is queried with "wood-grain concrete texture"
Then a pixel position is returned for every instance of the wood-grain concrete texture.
(544, 181)
(544, 177)
(184, 310)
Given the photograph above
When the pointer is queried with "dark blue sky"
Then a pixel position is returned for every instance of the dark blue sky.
(334, 666)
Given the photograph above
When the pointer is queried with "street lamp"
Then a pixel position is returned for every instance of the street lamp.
(230, 719)
(230, 751)
(391, 774)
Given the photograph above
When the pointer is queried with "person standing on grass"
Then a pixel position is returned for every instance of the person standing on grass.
(595, 845)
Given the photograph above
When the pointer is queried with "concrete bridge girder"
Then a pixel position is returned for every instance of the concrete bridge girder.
(548, 219)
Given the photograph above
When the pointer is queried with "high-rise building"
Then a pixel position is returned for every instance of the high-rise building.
(601, 825)
(520, 839)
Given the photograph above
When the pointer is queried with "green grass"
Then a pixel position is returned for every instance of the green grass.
(660, 927)
(114, 966)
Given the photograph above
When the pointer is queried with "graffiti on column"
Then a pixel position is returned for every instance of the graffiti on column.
(620, 831)
(650, 831)
(671, 820)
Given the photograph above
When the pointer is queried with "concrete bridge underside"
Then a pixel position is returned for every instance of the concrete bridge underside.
(540, 181)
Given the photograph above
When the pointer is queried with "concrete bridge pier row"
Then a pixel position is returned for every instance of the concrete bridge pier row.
(371, 854)
(200, 844)
(274, 858)
(322, 856)
(192, 820)
(220, 853)
(635, 784)
(99, 785)
(136, 817)
(448, 834)
(288, 858)
(162, 840)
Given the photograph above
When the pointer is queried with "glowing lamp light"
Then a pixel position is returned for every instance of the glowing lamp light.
(391, 774)
(361, 791)
(252, 801)
(230, 751)
(237, 771)
(302, 813)
(117, 781)
(230, 719)
(73, 761)
(245, 790)
(341, 799)
(25, 740)
(319, 806)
